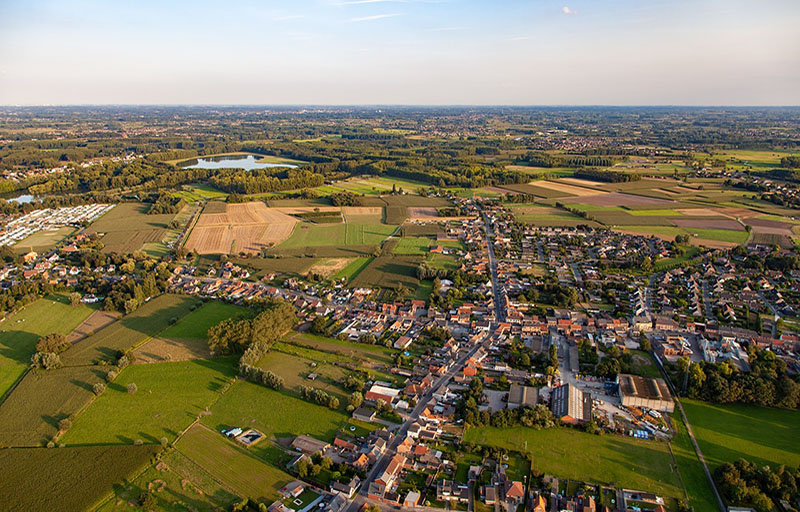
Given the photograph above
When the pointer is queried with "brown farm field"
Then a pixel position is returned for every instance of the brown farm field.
(244, 227)
(93, 323)
(158, 350)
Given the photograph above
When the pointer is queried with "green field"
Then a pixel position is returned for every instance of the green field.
(728, 432)
(20, 332)
(232, 465)
(568, 453)
(128, 227)
(175, 481)
(274, 413)
(539, 215)
(200, 192)
(698, 488)
(197, 323)
(722, 235)
(344, 348)
(294, 369)
(147, 321)
(29, 416)
(43, 241)
(169, 397)
(311, 235)
(352, 269)
(66, 478)
(389, 272)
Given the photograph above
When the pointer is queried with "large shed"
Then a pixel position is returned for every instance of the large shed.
(636, 391)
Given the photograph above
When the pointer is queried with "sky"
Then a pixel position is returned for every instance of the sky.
(419, 52)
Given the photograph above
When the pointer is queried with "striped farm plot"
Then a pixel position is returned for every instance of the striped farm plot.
(245, 227)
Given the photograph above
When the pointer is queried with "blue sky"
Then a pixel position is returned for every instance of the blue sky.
(534, 52)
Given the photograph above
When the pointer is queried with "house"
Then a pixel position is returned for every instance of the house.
(411, 500)
(363, 414)
(514, 492)
(309, 445)
(539, 504)
(403, 342)
(378, 392)
(520, 396)
(346, 489)
(570, 404)
(293, 489)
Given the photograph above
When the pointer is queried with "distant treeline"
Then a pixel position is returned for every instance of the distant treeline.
(607, 176)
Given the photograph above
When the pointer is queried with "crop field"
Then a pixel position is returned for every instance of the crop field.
(631, 201)
(761, 435)
(149, 320)
(310, 235)
(352, 269)
(710, 237)
(770, 226)
(56, 479)
(363, 214)
(232, 465)
(568, 453)
(276, 414)
(413, 245)
(244, 227)
(622, 217)
(197, 323)
(169, 397)
(539, 215)
(20, 332)
(29, 416)
(389, 272)
(93, 323)
(709, 223)
(43, 241)
(127, 227)
(535, 189)
(326, 267)
(175, 481)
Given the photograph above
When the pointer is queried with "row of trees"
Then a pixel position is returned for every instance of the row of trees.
(235, 336)
(318, 396)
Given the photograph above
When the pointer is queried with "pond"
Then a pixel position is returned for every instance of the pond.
(21, 199)
(246, 162)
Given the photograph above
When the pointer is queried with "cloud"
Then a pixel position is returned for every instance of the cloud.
(566, 10)
(372, 18)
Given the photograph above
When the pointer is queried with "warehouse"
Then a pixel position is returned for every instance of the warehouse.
(640, 392)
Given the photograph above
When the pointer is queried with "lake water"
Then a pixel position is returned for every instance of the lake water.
(246, 162)
(22, 199)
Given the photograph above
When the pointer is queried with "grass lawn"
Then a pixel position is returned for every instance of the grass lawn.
(413, 245)
(353, 268)
(147, 321)
(345, 348)
(169, 397)
(274, 413)
(701, 495)
(644, 365)
(197, 323)
(43, 241)
(294, 369)
(232, 465)
(29, 416)
(728, 432)
(568, 453)
(66, 478)
(20, 332)
(175, 480)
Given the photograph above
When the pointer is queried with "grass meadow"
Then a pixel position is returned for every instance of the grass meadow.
(569, 453)
(66, 478)
(20, 332)
(197, 323)
(169, 397)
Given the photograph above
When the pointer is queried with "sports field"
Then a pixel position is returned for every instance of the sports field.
(20, 332)
(232, 465)
(169, 397)
(127, 227)
(725, 433)
(243, 227)
(569, 453)
(43, 241)
(58, 478)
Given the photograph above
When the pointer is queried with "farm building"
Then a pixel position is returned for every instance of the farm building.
(570, 404)
(309, 445)
(520, 396)
(638, 391)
